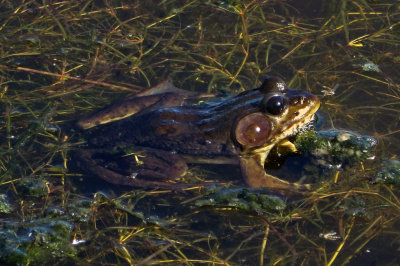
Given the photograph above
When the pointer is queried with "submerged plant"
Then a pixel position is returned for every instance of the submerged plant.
(62, 59)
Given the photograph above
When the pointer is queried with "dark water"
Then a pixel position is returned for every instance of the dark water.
(60, 60)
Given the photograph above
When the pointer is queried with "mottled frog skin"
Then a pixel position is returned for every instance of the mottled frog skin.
(238, 130)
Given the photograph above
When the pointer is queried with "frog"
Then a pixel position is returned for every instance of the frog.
(172, 128)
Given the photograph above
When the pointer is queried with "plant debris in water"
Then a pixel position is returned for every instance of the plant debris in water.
(390, 173)
(243, 199)
(38, 241)
(62, 59)
(336, 148)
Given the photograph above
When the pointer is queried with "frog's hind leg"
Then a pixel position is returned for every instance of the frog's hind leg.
(153, 164)
(110, 167)
(165, 86)
(164, 94)
(129, 107)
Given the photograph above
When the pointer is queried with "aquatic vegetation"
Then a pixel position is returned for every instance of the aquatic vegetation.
(336, 148)
(62, 59)
(5, 206)
(243, 199)
(389, 174)
(37, 241)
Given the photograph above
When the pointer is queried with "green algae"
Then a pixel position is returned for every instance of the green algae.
(38, 241)
(243, 199)
(60, 60)
(389, 173)
(336, 148)
(5, 206)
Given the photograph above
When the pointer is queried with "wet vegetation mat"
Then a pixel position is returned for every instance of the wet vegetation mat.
(60, 60)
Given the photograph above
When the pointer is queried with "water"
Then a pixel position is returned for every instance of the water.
(60, 60)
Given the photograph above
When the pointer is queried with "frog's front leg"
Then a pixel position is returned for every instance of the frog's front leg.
(255, 176)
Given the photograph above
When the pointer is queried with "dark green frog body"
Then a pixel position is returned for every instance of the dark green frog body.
(237, 130)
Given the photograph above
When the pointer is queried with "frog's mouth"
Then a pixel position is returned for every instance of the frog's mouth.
(306, 122)
(310, 125)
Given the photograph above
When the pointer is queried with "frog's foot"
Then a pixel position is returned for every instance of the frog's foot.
(151, 171)
(256, 177)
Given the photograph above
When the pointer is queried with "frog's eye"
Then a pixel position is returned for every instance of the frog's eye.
(273, 84)
(253, 129)
(274, 105)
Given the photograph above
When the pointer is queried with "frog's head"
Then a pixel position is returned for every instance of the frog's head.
(282, 112)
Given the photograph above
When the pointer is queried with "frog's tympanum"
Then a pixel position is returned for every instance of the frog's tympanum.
(238, 130)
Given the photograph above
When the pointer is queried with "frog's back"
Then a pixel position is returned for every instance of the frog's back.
(175, 130)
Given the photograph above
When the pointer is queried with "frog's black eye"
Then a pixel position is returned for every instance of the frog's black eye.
(272, 84)
(253, 130)
(274, 105)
